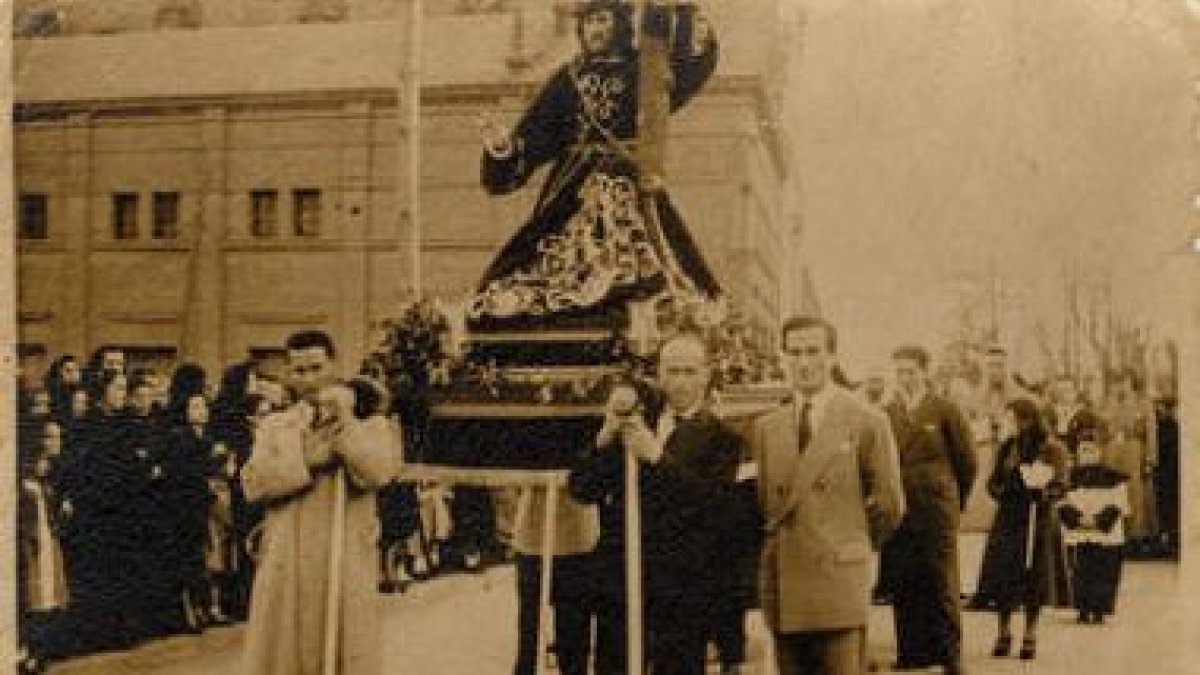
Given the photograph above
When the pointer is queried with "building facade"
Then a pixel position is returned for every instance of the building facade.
(196, 179)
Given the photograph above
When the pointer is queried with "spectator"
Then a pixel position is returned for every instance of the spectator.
(43, 593)
(1029, 477)
(112, 489)
(1167, 476)
(192, 451)
(187, 381)
(938, 465)
(219, 549)
(63, 380)
(1065, 413)
(106, 359)
(1134, 452)
(235, 416)
(31, 374)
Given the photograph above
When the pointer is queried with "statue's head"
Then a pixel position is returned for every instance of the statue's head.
(605, 27)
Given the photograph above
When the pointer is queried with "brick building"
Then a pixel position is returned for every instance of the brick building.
(197, 178)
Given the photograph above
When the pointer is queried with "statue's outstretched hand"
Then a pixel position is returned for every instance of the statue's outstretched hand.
(496, 139)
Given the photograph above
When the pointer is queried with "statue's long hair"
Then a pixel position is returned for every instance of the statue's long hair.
(622, 13)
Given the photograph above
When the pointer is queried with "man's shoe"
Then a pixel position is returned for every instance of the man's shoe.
(1028, 648)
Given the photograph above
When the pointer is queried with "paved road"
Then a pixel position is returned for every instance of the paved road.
(464, 625)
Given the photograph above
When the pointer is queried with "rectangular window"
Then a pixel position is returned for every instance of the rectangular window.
(34, 217)
(264, 213)
(124, 215)
(166, 215)
(306, 212)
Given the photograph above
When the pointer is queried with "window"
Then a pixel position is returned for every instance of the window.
(178, 14)
(166, 215)
(33, 223)
(306, 212)
(479, 6)
(124, 215)
(264, 213)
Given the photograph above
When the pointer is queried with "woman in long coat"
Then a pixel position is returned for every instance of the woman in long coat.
(1029, 477)
(192, 445)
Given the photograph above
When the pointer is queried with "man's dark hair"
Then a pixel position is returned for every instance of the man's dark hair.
(308, 339)
(797, 323)
(915, 353)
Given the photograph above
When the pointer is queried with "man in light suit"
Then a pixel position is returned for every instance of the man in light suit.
(830, 491)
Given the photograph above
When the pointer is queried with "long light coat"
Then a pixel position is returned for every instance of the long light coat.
(824, 511)
(288, 606)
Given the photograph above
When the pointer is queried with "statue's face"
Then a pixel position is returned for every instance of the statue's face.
(597, 29)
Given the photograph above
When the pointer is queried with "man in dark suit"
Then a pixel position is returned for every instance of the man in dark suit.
(687, 465)
(937, 463)
(830, 491)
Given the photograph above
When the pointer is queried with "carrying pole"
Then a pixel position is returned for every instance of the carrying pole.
(333, 602)
(408, 121)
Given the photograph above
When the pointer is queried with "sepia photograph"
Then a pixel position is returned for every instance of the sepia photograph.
(601, 337)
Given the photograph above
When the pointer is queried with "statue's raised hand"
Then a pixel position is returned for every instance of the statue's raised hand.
(496, 139)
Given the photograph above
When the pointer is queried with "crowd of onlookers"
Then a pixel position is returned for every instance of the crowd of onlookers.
(133, 524)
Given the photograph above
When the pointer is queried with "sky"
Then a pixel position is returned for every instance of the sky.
(941, 139)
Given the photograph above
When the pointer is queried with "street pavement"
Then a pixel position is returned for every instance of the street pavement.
(465, 625)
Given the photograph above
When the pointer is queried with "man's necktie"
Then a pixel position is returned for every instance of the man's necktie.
(804, 431)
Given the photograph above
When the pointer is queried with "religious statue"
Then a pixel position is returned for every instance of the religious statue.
(594, 241)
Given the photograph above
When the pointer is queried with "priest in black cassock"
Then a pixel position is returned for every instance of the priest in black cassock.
(589, 245)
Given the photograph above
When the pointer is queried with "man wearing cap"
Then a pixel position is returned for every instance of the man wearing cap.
(938, 466)
(830, 492)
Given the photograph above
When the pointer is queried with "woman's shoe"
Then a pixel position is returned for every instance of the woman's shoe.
(1003, 646)
(1028, 648)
